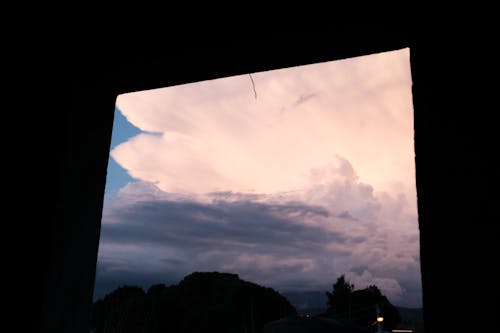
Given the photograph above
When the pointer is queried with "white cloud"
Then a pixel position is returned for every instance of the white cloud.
(215, 136)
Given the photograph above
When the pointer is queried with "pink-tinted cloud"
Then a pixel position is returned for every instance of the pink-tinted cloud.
(275, 240)
(215, 136)
(313, 179)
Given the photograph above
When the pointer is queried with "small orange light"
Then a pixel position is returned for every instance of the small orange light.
(380, 319)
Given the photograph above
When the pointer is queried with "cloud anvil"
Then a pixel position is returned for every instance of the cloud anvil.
(313, 178)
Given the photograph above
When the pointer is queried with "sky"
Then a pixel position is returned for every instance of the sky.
(308, 177)
(117, 176)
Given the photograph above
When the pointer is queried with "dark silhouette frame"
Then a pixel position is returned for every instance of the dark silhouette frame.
(451, 192)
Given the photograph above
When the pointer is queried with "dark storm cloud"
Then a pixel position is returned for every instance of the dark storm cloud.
(149, 236)
(230, 225)
(346, 215)
(149, 242)
(358, 269)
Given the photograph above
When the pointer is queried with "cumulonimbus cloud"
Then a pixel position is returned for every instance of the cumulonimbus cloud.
(276, 240)
(214, 135)
(312, 179)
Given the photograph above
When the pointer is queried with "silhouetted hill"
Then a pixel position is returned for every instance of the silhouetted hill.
(201, 302)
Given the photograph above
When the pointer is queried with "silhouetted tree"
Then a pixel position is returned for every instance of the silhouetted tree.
(339, 299)
(360, 306)
(120, 311)
(201, 302)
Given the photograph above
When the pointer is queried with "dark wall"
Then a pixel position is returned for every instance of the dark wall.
(454, 149)
(455, 144)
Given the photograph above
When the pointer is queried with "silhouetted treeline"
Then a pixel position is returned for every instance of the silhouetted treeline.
(360, 306)
(201, 302)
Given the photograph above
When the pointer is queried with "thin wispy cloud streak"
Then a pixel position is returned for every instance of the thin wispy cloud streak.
(312, 179)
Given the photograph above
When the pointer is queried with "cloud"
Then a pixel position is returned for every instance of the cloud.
(304, 98)
(215, 136)
(388, 286)
(275, 240)
(312, 179)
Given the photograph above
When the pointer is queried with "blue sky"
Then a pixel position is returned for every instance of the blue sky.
(123, 130)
